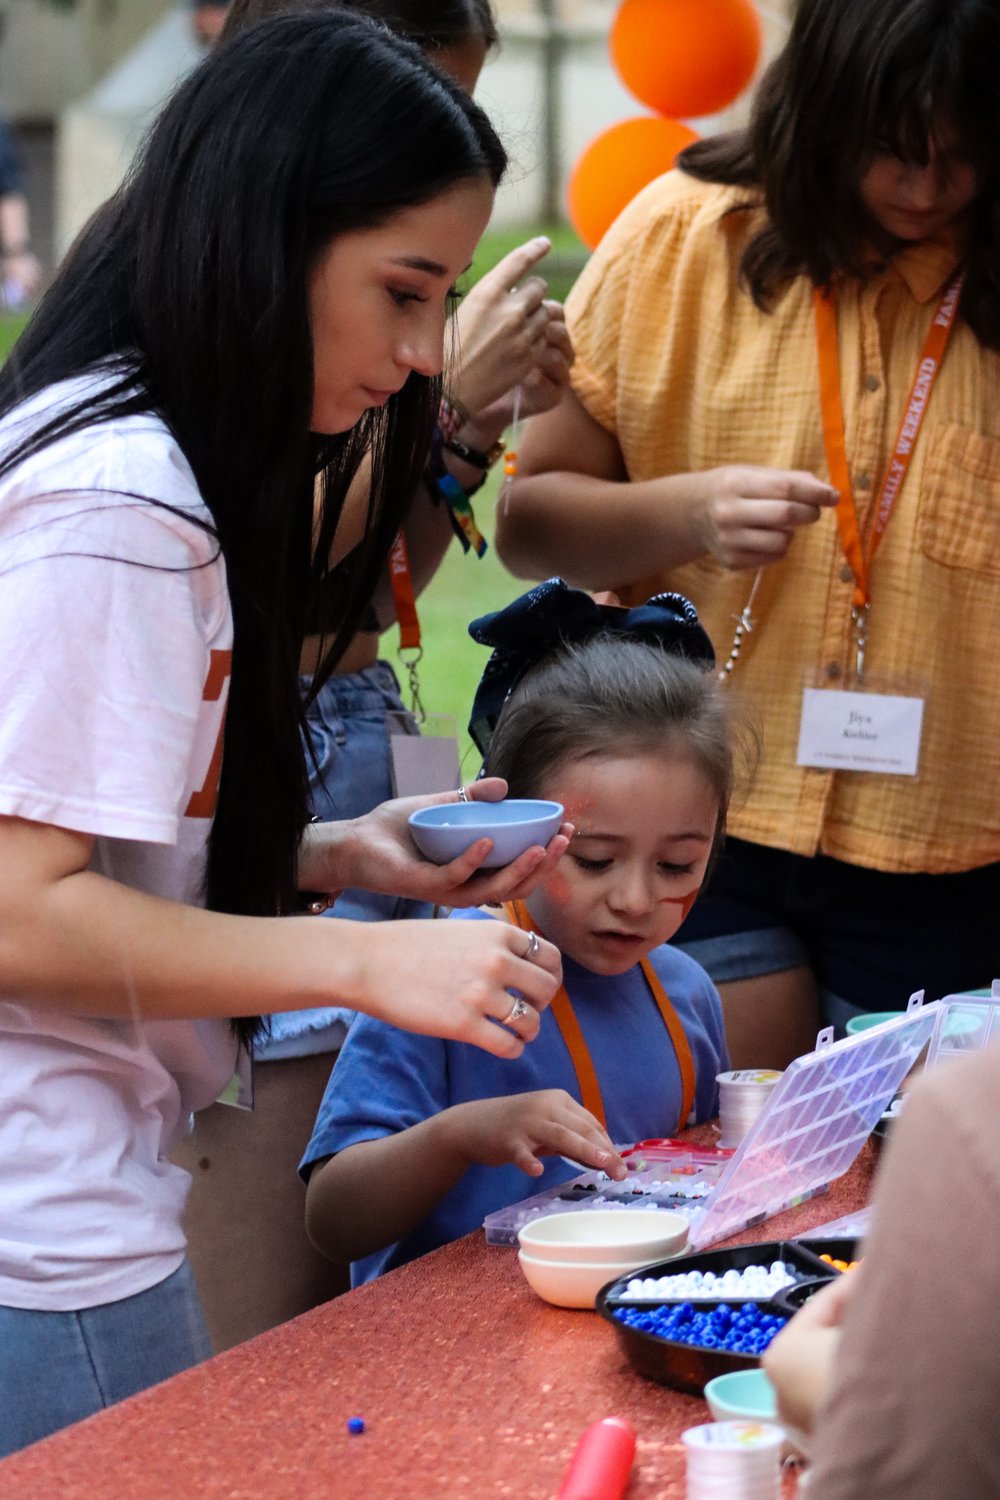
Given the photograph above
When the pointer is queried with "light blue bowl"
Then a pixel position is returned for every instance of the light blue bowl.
(742, 1395)
(444, 832)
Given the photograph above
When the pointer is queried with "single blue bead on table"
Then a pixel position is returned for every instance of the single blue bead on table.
(355, 1424)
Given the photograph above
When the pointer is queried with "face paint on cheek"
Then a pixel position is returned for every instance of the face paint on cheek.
(557, 888)
(684, 902)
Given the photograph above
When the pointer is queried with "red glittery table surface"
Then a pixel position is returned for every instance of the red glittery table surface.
(469, 1385)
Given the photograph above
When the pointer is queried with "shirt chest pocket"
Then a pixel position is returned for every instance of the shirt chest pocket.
(958, 523)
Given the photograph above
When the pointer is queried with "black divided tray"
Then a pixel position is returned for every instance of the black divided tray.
(792, 1298)
(884, 1125)
(881, 1131)
(840, 1247)
(687, 1367)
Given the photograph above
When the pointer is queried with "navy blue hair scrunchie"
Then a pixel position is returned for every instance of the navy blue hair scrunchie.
(551, 614)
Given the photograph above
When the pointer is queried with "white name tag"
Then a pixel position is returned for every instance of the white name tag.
(842, 731)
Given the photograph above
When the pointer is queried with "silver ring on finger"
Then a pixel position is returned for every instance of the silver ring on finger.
(518, 1009)
(532, 948)
(462, 794)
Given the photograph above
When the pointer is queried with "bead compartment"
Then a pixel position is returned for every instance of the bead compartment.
(837, 1247)
(689, 1366)
(802, 1260)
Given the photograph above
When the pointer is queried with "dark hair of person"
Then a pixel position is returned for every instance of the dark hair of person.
(432, 24)
(191, 288)
(613, 695)
(856, 77)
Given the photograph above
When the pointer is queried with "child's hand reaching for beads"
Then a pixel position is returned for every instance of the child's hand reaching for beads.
(524, 1128)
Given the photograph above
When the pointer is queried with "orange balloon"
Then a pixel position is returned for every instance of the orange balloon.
(686, 57)
(617, 165)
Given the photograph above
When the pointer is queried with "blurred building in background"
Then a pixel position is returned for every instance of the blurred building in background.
(81, 79)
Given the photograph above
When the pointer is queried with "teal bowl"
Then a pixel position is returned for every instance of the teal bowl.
(962, 1023)
(445, 831)
(871, 1018)
(742, 1395)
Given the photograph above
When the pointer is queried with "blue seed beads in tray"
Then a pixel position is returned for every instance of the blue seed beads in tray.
(687, 1342)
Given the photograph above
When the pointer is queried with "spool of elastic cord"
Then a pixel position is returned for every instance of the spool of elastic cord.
(733, 1461)
(742, 1096)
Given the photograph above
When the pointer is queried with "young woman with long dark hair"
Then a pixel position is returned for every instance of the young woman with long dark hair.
(784, 405)
(264, 301)
(506, 338)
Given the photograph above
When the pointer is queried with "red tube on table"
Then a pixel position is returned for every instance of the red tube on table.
(602, 1463)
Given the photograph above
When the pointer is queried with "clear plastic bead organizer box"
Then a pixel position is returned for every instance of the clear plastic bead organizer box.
(810, 1131)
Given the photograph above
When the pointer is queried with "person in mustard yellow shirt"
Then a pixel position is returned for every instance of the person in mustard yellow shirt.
(785, 405)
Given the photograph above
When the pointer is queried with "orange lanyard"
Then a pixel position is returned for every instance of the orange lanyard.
(405, 600)
(403, 595)
(583, 1064)
(833, 429)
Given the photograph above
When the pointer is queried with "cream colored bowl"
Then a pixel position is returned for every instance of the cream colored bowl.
(628, 1237)
(568, 1285)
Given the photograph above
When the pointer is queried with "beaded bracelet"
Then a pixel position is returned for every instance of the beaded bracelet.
(451, 416)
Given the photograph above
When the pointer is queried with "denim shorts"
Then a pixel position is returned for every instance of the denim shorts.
(59, 1367)
(871, 938)
(349, 774)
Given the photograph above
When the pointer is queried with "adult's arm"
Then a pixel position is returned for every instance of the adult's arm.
(912, 1414)
(573, 511)
(75, 941)
(507, 347)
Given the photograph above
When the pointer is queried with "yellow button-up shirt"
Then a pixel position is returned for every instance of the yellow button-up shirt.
(677, 362)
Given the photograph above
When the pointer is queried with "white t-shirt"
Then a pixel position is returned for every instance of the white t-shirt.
(116, 635)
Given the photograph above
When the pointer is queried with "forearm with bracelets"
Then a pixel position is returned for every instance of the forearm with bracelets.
(470, 445)
(457, 469)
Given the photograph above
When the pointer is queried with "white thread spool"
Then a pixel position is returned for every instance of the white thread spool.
(733, 1461)
(742, 1096)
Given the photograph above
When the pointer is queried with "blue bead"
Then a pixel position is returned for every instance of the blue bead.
(355, 1424)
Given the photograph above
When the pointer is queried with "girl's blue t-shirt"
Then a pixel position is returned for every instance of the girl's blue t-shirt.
(387, 1080)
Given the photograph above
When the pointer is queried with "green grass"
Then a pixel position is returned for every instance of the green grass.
(11, 325)
(465, 586)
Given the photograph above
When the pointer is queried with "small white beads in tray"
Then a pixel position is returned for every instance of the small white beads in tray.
(756, 1282)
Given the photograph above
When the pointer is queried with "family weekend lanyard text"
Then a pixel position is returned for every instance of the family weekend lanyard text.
(928, 367)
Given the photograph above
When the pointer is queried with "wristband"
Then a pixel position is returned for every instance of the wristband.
(475, 457)
(446, 488)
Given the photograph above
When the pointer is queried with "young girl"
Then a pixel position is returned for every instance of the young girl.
(616, 714)
(801, 278)
(274, 273)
